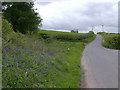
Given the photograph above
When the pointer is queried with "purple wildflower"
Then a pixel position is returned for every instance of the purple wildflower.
(5, 75)
(52, 54)
(23, 49)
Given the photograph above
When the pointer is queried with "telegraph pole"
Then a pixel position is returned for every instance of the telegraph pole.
(103, 28)
(92, 28)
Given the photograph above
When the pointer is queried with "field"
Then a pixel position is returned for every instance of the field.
(42, 60)
(65, 36)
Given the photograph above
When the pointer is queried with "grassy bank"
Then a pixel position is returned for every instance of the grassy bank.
(111, 40)
(42, 60)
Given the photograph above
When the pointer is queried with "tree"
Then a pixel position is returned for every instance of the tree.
(22, 16)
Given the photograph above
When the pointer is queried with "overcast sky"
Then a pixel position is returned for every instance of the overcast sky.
(79, 14)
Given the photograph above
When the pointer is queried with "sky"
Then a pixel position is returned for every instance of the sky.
(66, 15)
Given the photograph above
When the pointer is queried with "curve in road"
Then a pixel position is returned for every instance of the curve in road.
(100, 66)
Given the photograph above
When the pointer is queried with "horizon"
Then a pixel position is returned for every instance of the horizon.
(78, 14)
(78, 31)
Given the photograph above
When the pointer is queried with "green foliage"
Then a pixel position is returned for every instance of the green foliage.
(6, 29)
(11, 38)
(34, 61)
(111, 41)
(91, 32)
(66, 36)
(24, 68)
(7, 33)
(102, 33)
(44, 35)
(22, 16)
(70, 37)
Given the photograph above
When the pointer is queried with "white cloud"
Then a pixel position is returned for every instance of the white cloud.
(79, 14)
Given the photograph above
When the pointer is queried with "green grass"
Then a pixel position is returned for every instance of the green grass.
(41, 61)
(70, 77)
(65, 35)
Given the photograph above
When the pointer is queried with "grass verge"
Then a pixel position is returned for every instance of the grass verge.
(35, 61)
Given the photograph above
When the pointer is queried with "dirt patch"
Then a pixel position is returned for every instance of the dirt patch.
(83, 79)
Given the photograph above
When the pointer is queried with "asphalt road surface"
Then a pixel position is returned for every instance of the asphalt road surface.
(99, 66)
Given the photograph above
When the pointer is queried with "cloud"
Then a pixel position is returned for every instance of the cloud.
(79, 14)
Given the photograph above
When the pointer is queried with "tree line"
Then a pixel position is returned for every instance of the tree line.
(22, 16)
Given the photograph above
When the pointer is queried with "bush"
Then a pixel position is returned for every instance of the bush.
(73, 36)
(102, 33)
(7, 31)
(44, 35)
(111, 41)
(91, 32)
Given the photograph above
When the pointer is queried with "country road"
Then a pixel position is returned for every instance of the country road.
(99, 65)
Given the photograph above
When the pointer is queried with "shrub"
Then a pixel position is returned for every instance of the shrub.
(91, 32)
(102, 33)
(111, 41)
(73, 36)
(7, 31)
(44, 35)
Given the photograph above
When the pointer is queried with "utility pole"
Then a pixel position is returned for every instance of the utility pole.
(103, 28)
(92, 28)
